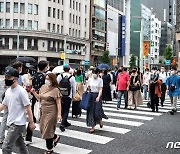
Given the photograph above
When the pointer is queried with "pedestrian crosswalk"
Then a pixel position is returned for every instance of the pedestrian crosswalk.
(120, 122)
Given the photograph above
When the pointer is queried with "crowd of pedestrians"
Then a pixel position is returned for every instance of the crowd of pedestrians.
(57, 92)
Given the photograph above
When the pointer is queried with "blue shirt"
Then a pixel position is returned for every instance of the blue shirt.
(174, 80)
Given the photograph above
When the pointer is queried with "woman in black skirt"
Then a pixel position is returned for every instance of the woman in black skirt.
(95, 112)
(106, 92)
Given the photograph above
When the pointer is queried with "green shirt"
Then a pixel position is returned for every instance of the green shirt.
(79, 78)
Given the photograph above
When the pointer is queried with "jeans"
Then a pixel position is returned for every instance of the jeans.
(146, 92)
(120, 93)
(15, 136)
(3, 125)
(173, 102)
(66, 103)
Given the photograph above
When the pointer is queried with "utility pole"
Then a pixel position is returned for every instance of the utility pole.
(18, 43)
(65, 48)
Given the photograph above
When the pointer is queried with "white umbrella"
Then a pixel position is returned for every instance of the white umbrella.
(60, 69)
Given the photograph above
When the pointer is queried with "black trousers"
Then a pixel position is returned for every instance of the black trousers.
(29, 132)
(66, 103)
(163, 90)
(155, 102)
(49, 142)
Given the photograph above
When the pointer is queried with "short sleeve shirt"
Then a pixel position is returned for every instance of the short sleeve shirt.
(122, 80)
(16, 100)
(95, 84)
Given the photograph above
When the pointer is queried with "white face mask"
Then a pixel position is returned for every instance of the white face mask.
(47, 82)
(162, 70)
(173, 72)
(95, 76)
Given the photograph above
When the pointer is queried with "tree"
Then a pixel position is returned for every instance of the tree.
(105, 57)
(132, 61)
(168, 55)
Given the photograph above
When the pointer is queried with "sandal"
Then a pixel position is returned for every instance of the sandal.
(48, 152)
(56, 140)
(91, 130)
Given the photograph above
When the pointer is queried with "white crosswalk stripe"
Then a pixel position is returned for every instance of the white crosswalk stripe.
(120, 122)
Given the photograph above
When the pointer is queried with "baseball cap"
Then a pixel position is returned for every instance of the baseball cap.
(66, 66)
(12, 72)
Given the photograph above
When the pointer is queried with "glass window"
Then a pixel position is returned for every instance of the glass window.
(58, 14)
(15, 43)
(62, 15)
(54, 27)
(100, 13)
(101, 3)
(98, 36)
(49, 11)
(62, 30)
(76, 5)
(58, 28)
(1, 23)
(35, 9)
(85, 8)
(84, 34)
(54, 12)
(22, 24)
(7, 23)
(73, 4)
(62, 2)
(49, 27)
(76, 33)
(1, 6)
(35, 25)
(15, 23)
(15, 7)
(76, 19)
(7, 43)
(70, 17)
(29, 43)
(73, 18)
(99, 24)
(79, 20)
(58, 1)
(79, 6)
(79, 34)
(29, 24)
(8, 7)
(21, 43)
(29, 8)
(73, 32)
(70, 3)
(85, 22)
(22, 8)
(69, 31)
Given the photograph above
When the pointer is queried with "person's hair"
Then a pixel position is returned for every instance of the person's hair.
(66, 69)
(154, 68)
(163, 66)
(24, 70)
(174, 68)
(17, 64)
(125, 69)
(78, 73)
(105, 72)
(147, 69)
(51, 68)
(42, 65)
(96, 71)
(53, 79)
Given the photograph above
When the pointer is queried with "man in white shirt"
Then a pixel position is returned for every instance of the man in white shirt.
(66, 100)
(17, 101)
(163, 76)
(146, 79)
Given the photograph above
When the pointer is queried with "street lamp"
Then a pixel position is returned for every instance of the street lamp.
(18, 42)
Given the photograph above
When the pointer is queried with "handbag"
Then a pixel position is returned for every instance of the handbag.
(77, 97)
(85, 102)
(37, 111)
(133, 87)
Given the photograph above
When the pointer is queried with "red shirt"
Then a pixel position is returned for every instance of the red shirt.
(122, 80)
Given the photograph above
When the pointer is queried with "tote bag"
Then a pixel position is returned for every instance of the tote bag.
(37, 111)
(85, 102)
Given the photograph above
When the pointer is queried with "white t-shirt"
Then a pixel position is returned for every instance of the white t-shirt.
(95, 84)
(163, 76)
(146, 78)
(16, 100)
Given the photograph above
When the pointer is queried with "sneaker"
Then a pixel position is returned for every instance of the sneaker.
(67, 124)
(28, 142)
(62, 128)
(117, 108)
(171, 112)
(1, 142)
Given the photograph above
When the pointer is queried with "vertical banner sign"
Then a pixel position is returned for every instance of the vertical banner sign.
(146, 48)
(123, 40)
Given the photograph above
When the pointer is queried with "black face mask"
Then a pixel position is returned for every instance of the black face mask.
(120, 70)
(9, 82)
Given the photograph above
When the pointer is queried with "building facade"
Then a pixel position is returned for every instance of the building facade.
(178, 31)
(44, 29)
(155, 35)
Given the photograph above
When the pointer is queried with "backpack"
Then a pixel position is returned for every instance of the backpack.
(65, 86)
(38, 80)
